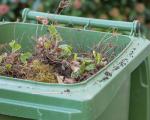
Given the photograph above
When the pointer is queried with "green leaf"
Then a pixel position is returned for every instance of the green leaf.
(76, 74)
(98, 58)
(82, 68)
(14, 46)
(25, 56)
(79, 72)
(47, 44)
(90, 67)
(75, 57)
(88, 61)
(52, 30)
(54, 33)
(11, 44)
(65, 47)
(8, 67)
(66, 50)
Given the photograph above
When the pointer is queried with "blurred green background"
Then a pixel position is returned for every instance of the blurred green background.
(127, 10)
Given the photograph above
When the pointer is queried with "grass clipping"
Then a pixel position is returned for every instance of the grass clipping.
(51, 62)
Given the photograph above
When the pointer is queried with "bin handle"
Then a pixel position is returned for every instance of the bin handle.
(134, 26)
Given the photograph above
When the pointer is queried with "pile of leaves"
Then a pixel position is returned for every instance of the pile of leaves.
(51, 62)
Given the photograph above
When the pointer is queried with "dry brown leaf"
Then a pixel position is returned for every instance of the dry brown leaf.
(75, 66)
(69, 80)
(60, 78)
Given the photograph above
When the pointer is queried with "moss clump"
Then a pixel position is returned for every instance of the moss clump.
(40, 72)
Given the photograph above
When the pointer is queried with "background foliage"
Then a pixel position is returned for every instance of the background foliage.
(127, 10)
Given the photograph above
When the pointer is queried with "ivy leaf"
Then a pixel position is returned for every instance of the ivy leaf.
(87, 61)
(82, 67)
(76, 74)
(66, 50)
(14, 46)
(65, 47)
(25, 56)
(90, 67)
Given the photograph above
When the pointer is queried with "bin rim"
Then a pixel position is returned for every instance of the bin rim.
(83, 83)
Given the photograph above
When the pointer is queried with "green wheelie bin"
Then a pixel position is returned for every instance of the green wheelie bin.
(121, 95)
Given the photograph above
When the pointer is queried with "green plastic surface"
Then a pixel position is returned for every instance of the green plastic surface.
(124, 96)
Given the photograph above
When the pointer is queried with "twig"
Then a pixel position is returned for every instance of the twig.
(62, 5)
